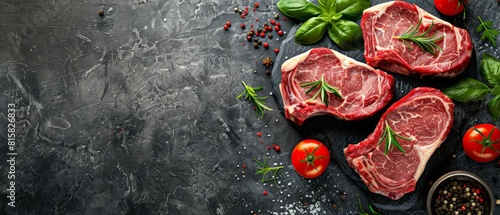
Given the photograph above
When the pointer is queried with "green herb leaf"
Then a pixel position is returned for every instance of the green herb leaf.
(467, 90)
(264, 169)
(490, 69)
(346, 34)
(493, 108)
(423, 40)
(299, 9)
(311, 31)
(495, 91)
(251, 95)
(488, 33)
(324, 89)
(391, 139)
(327, 6)
(351, 9)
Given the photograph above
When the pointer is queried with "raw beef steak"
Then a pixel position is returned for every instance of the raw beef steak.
(424, 118)
(382, 22)
(364, 90)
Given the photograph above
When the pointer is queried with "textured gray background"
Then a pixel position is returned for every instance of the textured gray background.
(135, 112)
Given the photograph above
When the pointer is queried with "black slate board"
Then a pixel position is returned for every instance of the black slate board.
(338, 134)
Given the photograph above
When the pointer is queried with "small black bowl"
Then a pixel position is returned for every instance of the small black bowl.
(461, 177)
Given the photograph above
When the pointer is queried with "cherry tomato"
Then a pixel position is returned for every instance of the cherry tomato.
(310, 158)
(482, 143)
(450, 7)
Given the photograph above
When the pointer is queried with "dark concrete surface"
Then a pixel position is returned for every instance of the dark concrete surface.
(135, 112)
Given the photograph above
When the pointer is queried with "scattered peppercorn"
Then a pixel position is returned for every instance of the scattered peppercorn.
(277, 28)
(265, 192)
(270, 36)
(226, 27)
(256, 4)
(262, 34)
(242, 25)
(276, 50)
(272, 21)
(100, 12)
(268, 147)
(280, 32)
(276, 16)
(334, 206)
(259, 133)
(268, 72)
(342, 196)
(267, 62)
(277, 148)
(240, 11)
(249, 38)
(242, 16)
(266, 45)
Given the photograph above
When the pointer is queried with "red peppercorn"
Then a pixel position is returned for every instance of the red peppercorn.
(256, 19)
(254, 9)
(280, 32)
(272, 21)
(249, 38)
(277, 28)
(226, 27)
(278, 23)
(265, 192)
(284, 18)
(266, 45)
(274, 146)
(463, 208)
(242, 25)
(244, 165)
(268, 147)
(277, 148)
(259, 133)
(276, 50)
(262, 34)
(256, 4)
(228, 24)
(242, 16)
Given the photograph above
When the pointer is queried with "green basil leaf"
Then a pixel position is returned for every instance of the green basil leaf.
(490, 69)
(311, 31)
(495, 91)
(346, 34)
(327, 6)
(494, 108)
(351, 9)
(467, 90)
(299, 9)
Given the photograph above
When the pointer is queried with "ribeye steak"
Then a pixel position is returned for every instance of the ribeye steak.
(423, 117)
(364, 90)
(381, 23)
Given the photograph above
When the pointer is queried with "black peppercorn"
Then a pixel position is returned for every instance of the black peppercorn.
(256, 45)
(100, 12)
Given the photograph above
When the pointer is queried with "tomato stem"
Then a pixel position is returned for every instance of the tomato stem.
(486, 141)
(310, 158)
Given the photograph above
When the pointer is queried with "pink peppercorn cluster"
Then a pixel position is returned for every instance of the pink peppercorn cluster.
(258, 31)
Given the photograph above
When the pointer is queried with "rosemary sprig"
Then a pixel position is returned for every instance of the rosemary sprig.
(423, 40)
(324, 89)
(265, 169)
(251, 95)
(391, 139)
(489, 33)
(372, 210)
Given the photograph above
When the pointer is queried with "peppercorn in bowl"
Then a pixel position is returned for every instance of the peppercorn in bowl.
(460, 192)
